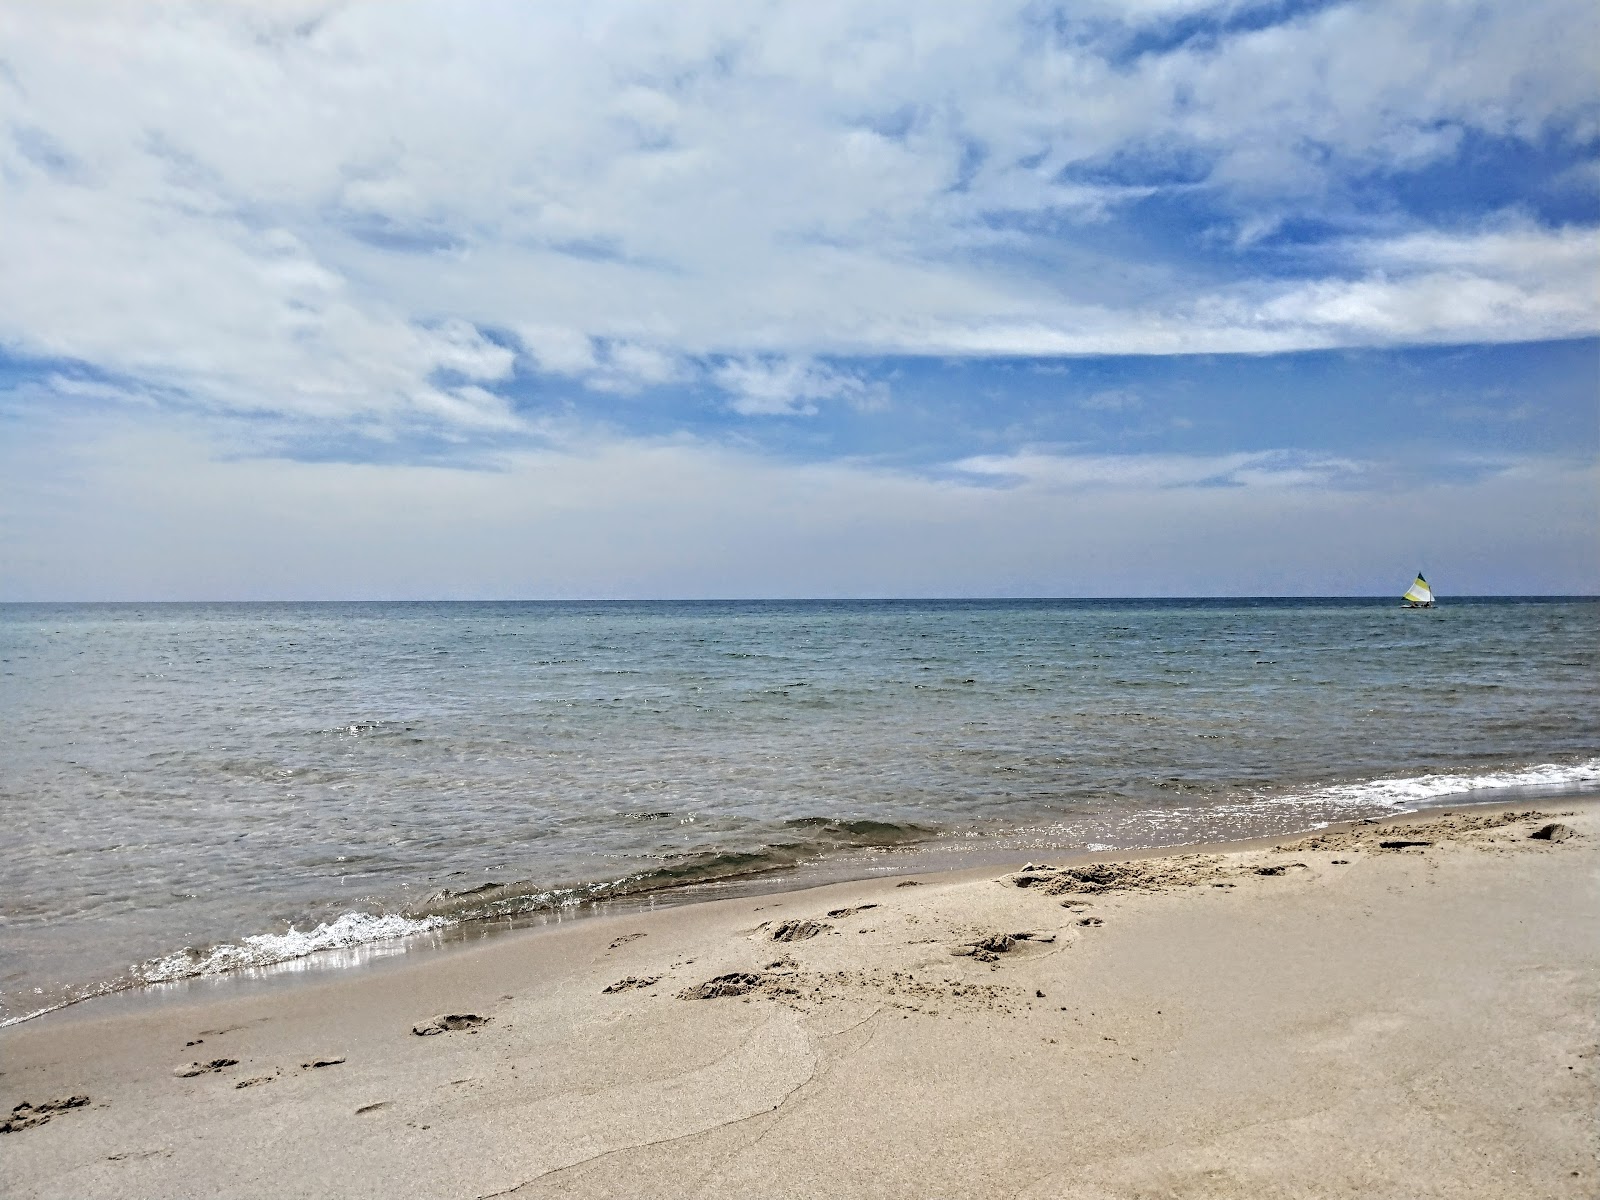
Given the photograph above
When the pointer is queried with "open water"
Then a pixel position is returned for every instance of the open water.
(190, 789)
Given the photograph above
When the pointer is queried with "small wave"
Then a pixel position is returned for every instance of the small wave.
(266, 949)
(1402, 792)
(861, 832)
(38, 1012)
(1413, 791)
(499, 901)
(821, 836)
(709, 866)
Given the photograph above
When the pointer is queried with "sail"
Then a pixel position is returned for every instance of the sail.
(1419, 592)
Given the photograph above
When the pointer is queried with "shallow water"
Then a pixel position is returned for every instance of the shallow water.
(192, 788)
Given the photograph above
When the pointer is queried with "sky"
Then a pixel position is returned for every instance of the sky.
(487, 299)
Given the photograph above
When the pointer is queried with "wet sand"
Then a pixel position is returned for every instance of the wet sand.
(1312, 1016)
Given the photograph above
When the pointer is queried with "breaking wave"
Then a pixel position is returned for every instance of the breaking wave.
(268, 949)
(1410, 791)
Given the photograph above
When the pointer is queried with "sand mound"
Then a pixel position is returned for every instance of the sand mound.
(1479, 829)
(1138, 875)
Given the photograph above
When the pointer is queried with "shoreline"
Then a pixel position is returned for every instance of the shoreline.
(272, 802)
(845, 867)
(1205, 1021)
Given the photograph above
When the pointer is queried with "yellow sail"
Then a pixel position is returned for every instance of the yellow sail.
(1419, 592)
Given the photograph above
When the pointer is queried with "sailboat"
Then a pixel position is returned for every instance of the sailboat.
(1419, 594)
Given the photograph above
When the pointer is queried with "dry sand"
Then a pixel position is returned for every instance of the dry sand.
(1323, 1016)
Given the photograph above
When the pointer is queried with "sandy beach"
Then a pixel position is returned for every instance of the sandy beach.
(1327, 1015)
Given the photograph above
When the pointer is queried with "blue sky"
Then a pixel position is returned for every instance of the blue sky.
(488, 299)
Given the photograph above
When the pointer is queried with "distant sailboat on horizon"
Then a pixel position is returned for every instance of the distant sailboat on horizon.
(1419, 594)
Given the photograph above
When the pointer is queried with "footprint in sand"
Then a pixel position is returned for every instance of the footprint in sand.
(26, 1116)
(798, 931)
(448, 1023)
(623, 985)
(736, 983)
(205, 1033)
(850, 912)
(372, 1108)
(136, 1155)
(321, 1062)
(190, 1070)
(1554, 832)
(987, 949)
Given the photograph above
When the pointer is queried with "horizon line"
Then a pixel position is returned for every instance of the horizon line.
(927, 599)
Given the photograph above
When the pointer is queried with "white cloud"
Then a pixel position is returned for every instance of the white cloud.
(558, 351)
(629, 367)
(328, 210)
(1049, 471)
(1491, 286)
(791, 386)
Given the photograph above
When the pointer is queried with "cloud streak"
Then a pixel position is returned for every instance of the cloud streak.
(1099, 473)
(150, 511)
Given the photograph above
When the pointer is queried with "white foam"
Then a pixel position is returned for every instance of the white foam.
(267, 949)
(38, 1012)
(1411, 791)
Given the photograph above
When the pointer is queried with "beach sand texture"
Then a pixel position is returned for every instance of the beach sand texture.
(1317, 1016)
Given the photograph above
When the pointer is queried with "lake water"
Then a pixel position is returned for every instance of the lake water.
(190, 789)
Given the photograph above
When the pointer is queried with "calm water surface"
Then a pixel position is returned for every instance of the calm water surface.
(194, 788)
